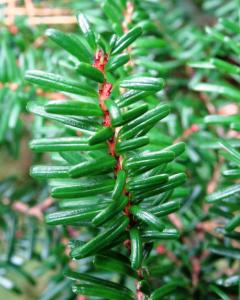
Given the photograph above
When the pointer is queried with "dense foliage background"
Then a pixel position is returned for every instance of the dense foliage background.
(195, 47)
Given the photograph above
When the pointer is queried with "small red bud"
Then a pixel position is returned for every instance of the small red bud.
(161, 249)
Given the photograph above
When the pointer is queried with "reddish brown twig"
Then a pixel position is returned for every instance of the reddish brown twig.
(40, 92)
(170, 255)
(215, 178)
(104, 91)
(127, 16)
(52, 20)
(30, 9)
(81, 298)
(176, 221)
(10, 12)
(139, 295)
(36, 16)
(35, 211)
(188, 132)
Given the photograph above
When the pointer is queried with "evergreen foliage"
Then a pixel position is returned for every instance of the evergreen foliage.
(134, 187)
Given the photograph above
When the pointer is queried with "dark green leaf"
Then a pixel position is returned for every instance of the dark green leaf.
(234, 154)
(219, 292)
(77, 190)
(219, 119)
(115, 114)
(150, 118)
(91, 279)
(90, 72)
(92, 167)
(102, 240)
(143, 84)
(173, 181)
(131, 97)
(59, 83)
(111, 211)
(136, 248)
(234, 223)
(132, 114)
(148, 182)
(225, 66)
(110, 264)
(74, 122)
(101, 291)
(72, 107)
(149, 160)
(147, 217)
(45, 172)
(166, 208)
(222, 194)
(233, 174)
(117, 61)
(101, 136)
(132, 144)
(63, 144)
(225, 251)
(71, 216)
(87, 31)
(70, 44)
(178, 148)
(119, 185)
(163, 291)
(126, 40)
(166, 234)
(219, 89)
